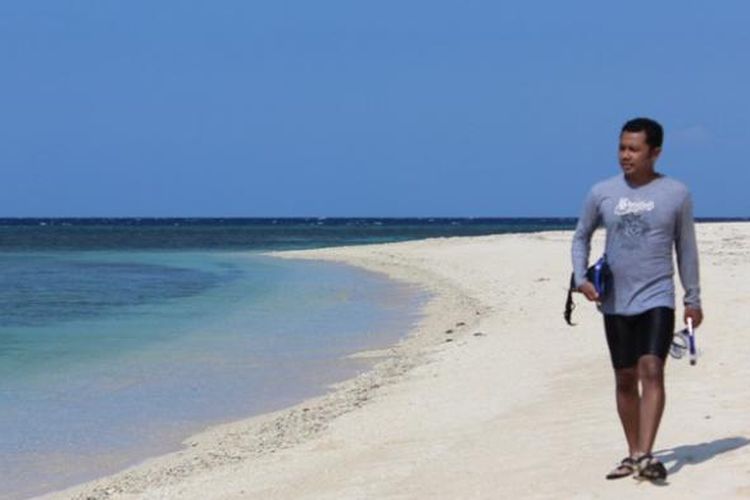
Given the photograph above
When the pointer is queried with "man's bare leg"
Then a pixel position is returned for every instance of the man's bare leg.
(651, 375)
(628, 406)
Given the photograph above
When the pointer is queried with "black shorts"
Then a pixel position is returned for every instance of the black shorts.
(630, 337)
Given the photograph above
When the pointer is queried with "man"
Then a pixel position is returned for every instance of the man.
(646, 215)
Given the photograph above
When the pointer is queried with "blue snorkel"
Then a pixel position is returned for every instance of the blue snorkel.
(691, 342)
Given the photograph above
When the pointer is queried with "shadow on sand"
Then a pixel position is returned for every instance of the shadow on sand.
(676, 458)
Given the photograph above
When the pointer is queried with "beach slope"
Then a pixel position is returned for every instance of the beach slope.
(491, 396)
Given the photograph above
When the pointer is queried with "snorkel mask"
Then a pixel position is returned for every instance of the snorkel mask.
(599, 275)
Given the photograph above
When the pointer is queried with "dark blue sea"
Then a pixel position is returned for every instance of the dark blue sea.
(120, 337)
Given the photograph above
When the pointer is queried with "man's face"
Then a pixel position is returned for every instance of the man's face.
(636, 156)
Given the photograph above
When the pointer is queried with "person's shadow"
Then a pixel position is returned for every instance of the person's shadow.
(676, 458)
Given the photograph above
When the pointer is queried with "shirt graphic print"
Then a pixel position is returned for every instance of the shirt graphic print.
(632, 227)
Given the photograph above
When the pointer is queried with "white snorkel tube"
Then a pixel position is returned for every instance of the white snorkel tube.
(691, 342)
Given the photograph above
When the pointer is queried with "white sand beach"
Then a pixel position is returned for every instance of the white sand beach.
(490, 396)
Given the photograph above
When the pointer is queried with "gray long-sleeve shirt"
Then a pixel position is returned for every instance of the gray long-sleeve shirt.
(643, 225)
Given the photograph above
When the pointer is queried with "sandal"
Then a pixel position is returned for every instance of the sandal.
(627, 467)
(651, 469)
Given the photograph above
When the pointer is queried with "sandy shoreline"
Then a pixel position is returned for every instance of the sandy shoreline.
(491, 395)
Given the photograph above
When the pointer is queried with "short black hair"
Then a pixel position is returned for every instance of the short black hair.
(654, 131)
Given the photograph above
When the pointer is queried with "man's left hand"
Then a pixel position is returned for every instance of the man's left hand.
(695, 314)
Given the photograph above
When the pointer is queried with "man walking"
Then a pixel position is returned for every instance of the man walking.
(646, 215)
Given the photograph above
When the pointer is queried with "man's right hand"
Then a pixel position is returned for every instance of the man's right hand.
(589, 291)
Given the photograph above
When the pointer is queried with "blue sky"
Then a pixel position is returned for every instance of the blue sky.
(352, 108)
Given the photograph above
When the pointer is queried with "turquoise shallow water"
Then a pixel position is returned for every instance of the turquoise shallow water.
(119, 337)
(107, 357)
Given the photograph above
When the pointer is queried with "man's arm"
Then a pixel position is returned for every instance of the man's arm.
(581, 248)
(687, 262)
